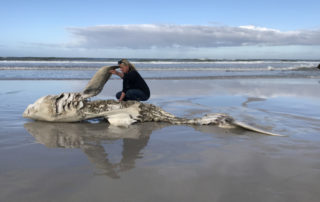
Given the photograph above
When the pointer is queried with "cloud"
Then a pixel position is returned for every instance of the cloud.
(146, 36)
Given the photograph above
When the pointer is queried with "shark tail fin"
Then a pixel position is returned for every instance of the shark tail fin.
(254, 129)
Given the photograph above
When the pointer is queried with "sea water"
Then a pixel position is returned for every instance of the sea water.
(84, 68)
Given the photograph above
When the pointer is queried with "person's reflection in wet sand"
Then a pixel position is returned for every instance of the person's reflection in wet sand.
(97, 156)
(131, 152)
(88, 138)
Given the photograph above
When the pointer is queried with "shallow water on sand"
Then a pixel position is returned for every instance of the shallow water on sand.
(161, 162)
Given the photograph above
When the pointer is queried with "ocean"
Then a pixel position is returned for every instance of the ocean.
(39, 68)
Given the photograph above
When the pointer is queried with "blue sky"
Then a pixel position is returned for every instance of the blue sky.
(161, 29)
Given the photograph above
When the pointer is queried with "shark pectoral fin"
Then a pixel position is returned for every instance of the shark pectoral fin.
(251, 128)
(120, 119)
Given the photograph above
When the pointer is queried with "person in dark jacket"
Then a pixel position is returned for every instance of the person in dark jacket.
(134, 86)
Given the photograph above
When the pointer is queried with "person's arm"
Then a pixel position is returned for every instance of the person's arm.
(122, 96)
(127, 79)
(120, 74)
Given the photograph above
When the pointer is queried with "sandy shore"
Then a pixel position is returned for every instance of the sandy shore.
(160, 162)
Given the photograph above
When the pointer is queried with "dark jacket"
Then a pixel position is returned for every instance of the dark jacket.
(133, 80)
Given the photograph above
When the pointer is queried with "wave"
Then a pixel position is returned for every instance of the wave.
(154, 62)
(299, 68)
(147, 60)
(182, 77)
(232, 69)
(51, 68)
(54, 62)
(218, 69)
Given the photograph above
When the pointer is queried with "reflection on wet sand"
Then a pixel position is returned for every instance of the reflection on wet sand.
(91, 139)
(88, 138)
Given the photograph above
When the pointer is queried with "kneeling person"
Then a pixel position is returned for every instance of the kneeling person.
(134, 86)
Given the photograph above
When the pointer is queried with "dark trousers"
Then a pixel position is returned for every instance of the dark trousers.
(133, 94)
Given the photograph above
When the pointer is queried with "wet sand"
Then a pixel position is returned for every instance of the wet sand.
(161, 162)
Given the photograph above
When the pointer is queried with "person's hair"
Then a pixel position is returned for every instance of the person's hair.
(126, 62)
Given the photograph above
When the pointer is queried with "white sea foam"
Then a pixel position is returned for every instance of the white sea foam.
(149, 68)
(198, 61)
(51, 68)
(218, 69)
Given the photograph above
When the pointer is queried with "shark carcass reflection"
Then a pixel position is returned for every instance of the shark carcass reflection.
(90, 137)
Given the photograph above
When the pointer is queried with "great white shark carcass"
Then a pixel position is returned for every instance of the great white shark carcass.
(76, 107)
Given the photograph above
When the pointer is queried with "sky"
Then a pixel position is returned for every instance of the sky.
(246, 29)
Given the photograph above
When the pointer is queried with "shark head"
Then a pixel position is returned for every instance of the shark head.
(41, 109)
(56, 108)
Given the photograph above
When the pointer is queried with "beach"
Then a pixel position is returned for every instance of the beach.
(93, 161)
(224, 106)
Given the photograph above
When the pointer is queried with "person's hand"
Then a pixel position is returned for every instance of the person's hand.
(122, 96)
(113, 71)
